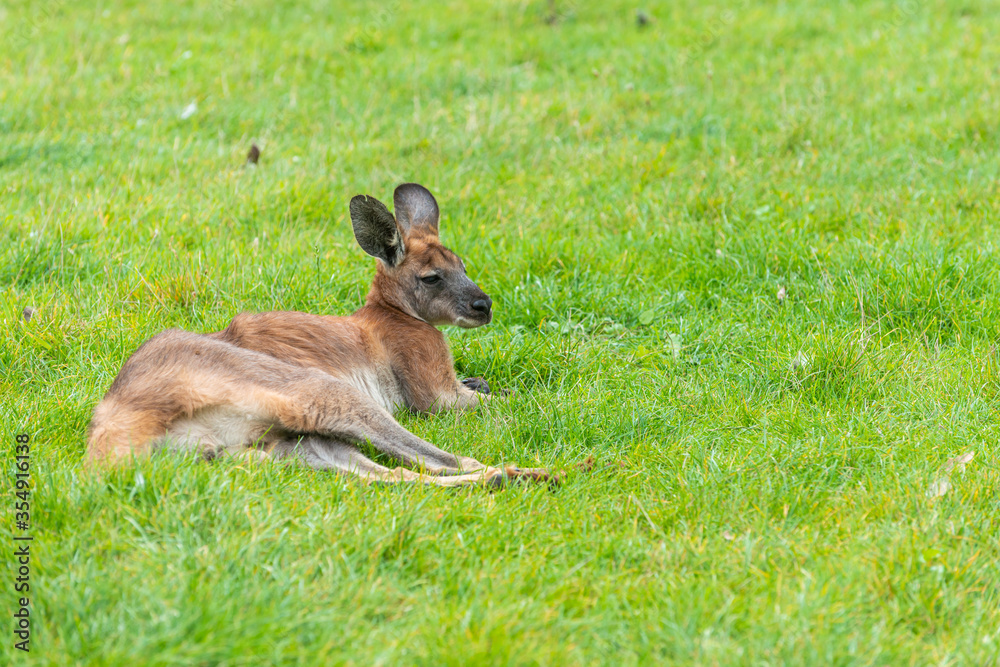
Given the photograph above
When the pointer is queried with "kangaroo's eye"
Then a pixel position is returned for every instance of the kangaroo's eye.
(431, 279)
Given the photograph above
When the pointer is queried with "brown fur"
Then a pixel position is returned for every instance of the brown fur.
(292, 384)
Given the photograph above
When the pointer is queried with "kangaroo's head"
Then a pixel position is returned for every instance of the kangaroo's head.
(415, 273)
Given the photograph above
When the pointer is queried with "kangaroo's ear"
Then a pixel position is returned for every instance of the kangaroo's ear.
(376, 230)
(416, 208)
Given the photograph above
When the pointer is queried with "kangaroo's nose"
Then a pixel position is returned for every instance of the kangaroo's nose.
(482, 305)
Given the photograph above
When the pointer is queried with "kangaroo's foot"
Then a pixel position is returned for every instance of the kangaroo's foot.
(514, 473)
(477, 384)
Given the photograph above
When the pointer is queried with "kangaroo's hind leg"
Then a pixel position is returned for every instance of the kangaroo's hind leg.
(329, 407)
(334, 409)
(330, 454)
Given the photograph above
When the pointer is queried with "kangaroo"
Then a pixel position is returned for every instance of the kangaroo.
(312, 387)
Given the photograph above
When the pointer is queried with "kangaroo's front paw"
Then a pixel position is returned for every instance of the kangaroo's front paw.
(477, 384)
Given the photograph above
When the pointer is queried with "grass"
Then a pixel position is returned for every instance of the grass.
(633, 199)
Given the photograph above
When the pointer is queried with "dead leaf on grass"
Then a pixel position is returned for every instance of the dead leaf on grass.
(940, 487)
(958, 462)
(800, 361)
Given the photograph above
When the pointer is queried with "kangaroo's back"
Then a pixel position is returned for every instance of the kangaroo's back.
(333, 344)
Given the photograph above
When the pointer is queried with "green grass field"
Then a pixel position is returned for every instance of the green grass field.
(744, 256)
